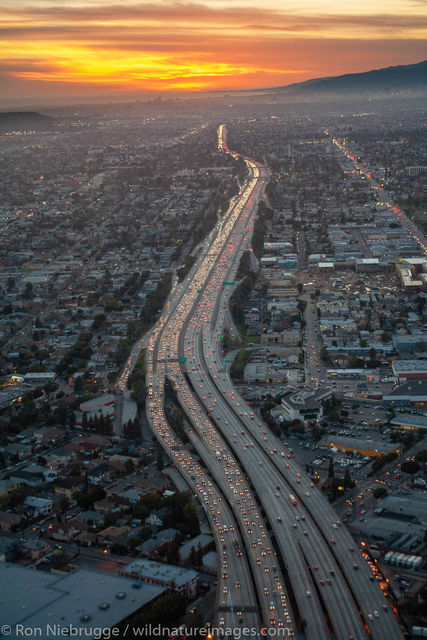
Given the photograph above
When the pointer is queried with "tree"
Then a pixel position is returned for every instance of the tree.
(160, 462)
(297, 426)
(348, 482)
(337, 488)
(64, 504)
(324, 355)
(28, 291)
(301, 305)
(78, 386)
(129, 466)
(86, 500)
(411, 466)
(379, 492)
(119, 549)
(199, 555)
(145, 533)
(421, 456)
(192, 556)
(172, 554)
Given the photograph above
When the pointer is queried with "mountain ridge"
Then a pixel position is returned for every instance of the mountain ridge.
(24, 120)
(400, 77)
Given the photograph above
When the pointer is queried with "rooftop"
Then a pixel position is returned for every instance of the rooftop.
(410, 365)
(160, 572)
(412, 389)
(38, 598)
(409, 420)
(358, 444)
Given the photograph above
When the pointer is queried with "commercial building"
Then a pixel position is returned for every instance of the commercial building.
(409, 422)
(167, 575)
(305, 405)
(410, 369)
(409, 394)
(413, 505)
(393, 533)
(39, 378)
(364, 447)
(410, 341)
(83, 599)
(264, 372)
(100, 406)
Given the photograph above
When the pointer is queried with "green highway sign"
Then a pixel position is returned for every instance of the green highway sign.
(199, 290)
(183, 359)
(228, 283)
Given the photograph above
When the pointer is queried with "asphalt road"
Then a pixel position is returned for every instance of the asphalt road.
(324, 567)
(237, 601)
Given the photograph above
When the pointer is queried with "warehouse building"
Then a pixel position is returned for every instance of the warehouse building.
(365, 447)
(410, 369)
(82, 599)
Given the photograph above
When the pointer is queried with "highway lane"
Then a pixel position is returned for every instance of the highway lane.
(329, 521)
(201, 319)
(368, 594)
(292, 554)
(307, 597)
(221, 519)
(294, 560)
(295, 546)
(158, 359)
(229, 477)
(232, 239)
(198, 479)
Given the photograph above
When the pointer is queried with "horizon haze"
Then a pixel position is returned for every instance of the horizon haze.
(53, 53)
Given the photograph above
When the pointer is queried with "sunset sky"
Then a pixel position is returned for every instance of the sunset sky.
(53, 49)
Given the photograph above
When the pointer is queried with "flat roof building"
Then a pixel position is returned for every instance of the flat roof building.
(168, 575)
(413, 393)
(409, 421)
(305, 405)
(388, 530)
(83, 598)
(410, 369)
(413, 505)
(362, 446)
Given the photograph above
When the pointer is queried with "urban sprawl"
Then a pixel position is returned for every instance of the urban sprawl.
(213, 368)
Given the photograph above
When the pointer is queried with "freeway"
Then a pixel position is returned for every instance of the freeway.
(238, 603)
(251, 473)
(297, 539)
(355, 604)
(353, 571)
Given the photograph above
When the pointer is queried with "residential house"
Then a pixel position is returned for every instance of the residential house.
(34, 549)
(9, 520)
(66, 531)
(101, 474)
(114, 535)
(37, 506)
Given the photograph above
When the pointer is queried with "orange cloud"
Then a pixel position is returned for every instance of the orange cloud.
(176, 46)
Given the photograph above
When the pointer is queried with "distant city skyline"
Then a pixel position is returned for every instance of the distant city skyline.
(102, 48)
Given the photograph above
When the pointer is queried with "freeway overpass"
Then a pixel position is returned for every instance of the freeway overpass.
(251, 475)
